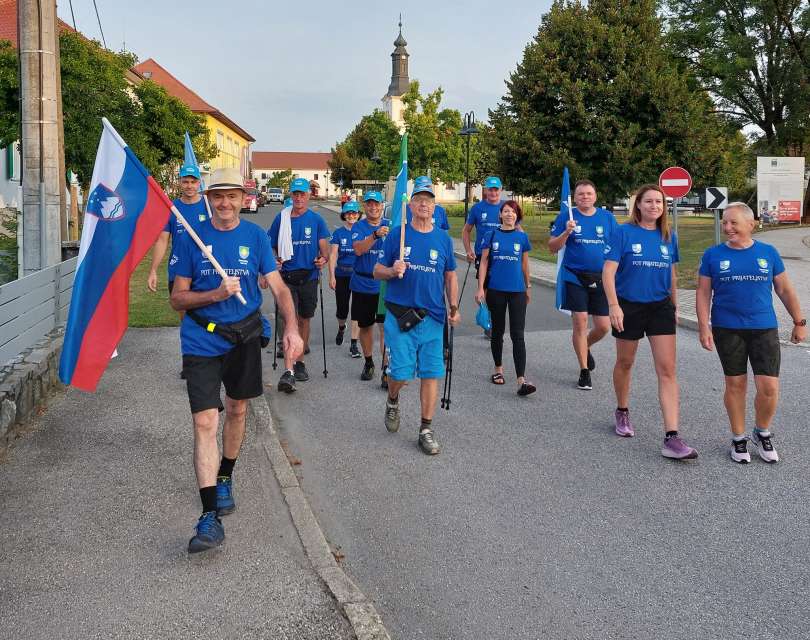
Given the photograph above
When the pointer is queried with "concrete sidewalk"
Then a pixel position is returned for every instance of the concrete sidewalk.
(99, 502)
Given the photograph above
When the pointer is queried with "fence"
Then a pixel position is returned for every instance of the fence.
(34, 305)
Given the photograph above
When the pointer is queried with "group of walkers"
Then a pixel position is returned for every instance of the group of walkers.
(621, 276)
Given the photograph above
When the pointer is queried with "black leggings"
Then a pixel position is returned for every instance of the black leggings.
(342, 295)
(498, 301)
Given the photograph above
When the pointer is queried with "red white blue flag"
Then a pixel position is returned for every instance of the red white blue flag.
(126, 211)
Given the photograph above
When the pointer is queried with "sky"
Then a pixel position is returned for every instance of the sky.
(301, 79)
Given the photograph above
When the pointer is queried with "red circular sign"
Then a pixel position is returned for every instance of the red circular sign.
(675, 182)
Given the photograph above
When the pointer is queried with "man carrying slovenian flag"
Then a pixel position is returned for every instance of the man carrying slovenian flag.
(580, 236)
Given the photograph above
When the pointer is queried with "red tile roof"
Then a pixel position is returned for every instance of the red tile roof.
(8, 21)
(151, 70)
(289, 160)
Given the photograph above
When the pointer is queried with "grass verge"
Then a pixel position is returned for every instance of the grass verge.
(147, 309)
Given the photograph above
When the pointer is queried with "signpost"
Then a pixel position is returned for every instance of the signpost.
(675, 182)
(716, 200)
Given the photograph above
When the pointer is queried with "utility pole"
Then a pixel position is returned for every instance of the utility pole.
(37, 40)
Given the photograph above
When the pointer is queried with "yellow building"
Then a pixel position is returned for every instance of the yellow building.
(232, 141)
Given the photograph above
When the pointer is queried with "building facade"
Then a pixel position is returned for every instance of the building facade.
(312, 166)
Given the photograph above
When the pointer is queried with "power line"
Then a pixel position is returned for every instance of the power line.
(72, 15)
(95, 6)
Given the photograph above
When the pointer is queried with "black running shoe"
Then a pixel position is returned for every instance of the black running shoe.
(584, 380)
(384, 380)
(368, 371)
(300, 371)
(354, 352)
(591, 361)
(339, 336)
(287, 382)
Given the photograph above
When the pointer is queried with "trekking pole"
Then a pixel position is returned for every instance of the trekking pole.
(446, 348)
(464, 284)
(323, 327)
(449, 374)
(275, 335)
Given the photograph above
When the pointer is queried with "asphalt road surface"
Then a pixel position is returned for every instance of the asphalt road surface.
(536, 521)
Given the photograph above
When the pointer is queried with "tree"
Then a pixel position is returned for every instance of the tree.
(753, 56)
(597, 91)
(9, 94)
(374, 136)
(281, 179)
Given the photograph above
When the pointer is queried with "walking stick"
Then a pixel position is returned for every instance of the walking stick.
(448, 376)
(275, 335)
(464, 284)
(323, 327)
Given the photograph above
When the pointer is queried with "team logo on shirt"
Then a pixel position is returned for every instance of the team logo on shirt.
(343, 241)
(210, 249)
(763, 265)
(354, 235)
(600, 231)
(516, 247)
(484, 216)
(578, 229)
(201, 217)
(636, 248)
(174, 260)
(725, 265)
(244, 252)
(664, 250)
(495, 246)
(307, 231)
(407, 252)
(434, 256)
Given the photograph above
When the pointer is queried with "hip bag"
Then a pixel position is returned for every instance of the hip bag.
(407, 317)
(296, 277)
(240, 332)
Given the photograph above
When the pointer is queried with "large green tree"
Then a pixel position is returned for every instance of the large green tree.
(597, 90)
(9, 94)
(369, 152)
(754, 57)
(281, 179)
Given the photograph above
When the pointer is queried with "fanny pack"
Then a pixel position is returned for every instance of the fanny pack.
(407, 317)
(588, 279)
(237, 333)
(296, 277)
(364, 274)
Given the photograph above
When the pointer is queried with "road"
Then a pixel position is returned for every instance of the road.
(536, 521)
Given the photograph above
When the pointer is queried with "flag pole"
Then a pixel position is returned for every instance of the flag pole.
(570, 210)
(402, 220)
(203, 248)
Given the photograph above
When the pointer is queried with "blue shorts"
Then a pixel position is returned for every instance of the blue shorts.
(416, 353)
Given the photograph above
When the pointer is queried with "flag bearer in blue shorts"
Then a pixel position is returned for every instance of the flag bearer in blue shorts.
(420, 278)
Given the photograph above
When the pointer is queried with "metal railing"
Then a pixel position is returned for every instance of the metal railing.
(33, 306)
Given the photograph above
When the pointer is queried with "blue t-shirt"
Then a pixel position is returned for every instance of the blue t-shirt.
(485, 217)
(439, 217)
(244, 252)
(342, 237)
(307, 230)
(585, 247)
(645, 262)
(429, 256)
(742, 284)
(195, 214)
(505, 266)
(365, 263)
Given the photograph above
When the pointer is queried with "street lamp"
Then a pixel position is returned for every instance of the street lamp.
(468, 130)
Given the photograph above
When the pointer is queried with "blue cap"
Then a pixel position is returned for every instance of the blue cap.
(423, 187)
(372, 195)
(421, 181)
(189, 170)
(299, 184)
(350, 206)
(288, 201)
(493, 182)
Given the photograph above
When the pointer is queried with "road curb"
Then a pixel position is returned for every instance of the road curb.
(360, 612)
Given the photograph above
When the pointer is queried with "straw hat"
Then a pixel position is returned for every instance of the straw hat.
(227, 178)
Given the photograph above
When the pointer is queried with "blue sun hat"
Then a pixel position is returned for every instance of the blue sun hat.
(299, 184)
(376, 196)
(422, 184)
(349, 206)
(190, 170)
(493, 182)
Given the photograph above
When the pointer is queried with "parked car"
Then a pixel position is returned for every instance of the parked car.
(274, 194)
(251, 203)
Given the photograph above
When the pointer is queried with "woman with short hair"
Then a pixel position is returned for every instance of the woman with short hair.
(735, 285)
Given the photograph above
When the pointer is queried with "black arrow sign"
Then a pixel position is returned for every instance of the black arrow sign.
(717, 198)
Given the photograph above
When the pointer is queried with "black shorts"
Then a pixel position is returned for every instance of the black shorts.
(738, 347)
(171, 286)
(364, 309)
(305, 298)
(591, 300)
(240, 370)
(647, 318)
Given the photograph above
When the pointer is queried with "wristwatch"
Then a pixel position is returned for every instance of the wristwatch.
(801, 323)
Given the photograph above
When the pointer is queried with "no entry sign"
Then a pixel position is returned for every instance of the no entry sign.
(675, 182)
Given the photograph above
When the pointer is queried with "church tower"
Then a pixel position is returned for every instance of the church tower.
(392, 101)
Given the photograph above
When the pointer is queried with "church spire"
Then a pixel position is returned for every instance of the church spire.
(399, 66)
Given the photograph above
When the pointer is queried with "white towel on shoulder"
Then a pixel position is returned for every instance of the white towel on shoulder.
(285, 245)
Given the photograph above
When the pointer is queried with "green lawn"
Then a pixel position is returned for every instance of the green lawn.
(147, 309)
(695, 233)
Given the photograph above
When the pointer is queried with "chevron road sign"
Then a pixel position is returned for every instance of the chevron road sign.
(716, 197)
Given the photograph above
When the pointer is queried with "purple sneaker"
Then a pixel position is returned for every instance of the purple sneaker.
(677, 449)
(624, 427)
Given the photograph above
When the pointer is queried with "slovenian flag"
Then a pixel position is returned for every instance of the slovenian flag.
(400, 195)
(565, 205)
(126, 211)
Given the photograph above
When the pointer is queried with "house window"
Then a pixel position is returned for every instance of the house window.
(264, 176)
(220, 140)
(316, 177)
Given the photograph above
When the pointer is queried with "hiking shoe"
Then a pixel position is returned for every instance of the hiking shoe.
(739, 451)
(339, 336)
(764, 447)
(391, 416)
(300, 371)
(225, 502)
(210, 533)
(384, 380)
(677, 449)
(427, 442)
(584, 382)
(624, 427)
(354, 352)
(591, 361)
(287, 382)
(368, 371)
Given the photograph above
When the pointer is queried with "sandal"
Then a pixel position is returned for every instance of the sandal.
(497, 378)
(526, 389)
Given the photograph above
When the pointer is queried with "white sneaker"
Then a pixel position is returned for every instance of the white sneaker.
(739, 451)
(765, 447)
